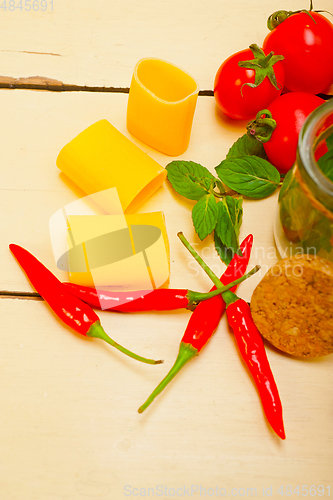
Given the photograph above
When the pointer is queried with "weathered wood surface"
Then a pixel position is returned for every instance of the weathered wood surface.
(69, 422)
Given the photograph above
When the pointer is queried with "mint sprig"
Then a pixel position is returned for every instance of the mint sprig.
(204, 215)
(229, 220)
(326, 161)
(329, 142)
(326, 164)
(245, 171)
(245, 146)
(225, 253)
(190, 179)
(249, 175)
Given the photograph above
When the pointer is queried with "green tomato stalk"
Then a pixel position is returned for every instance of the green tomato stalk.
(262, 65)
(281, 15)
(262, 127)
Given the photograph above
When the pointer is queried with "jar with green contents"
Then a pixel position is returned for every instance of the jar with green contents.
(304, 219)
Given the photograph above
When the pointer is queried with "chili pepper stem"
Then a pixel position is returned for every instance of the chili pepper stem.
(266, 384)
(195, 297)
(229, 297)
(96, 330)
(186, 352)
(207, 269)
(203, 322)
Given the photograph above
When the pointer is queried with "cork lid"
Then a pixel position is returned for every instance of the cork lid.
(293, 306)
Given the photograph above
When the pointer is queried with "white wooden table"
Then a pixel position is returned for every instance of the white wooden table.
(69, 427)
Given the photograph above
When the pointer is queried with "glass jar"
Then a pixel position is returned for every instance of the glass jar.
(304, 218)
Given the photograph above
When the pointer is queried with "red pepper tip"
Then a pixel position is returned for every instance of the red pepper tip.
(248, 240)
(14, 248)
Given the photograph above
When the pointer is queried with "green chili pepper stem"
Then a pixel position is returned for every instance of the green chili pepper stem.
(96, 330)
(200, 261)
(195, 297)
(186, 352)
(207, 269)
(229, 297)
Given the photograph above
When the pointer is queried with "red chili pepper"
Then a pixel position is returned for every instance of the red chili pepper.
(204, 320)
(143, 300)
(71, 310)
(161, 299)
(252, 350)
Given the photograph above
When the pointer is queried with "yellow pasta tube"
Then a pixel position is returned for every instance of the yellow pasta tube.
(101, 157)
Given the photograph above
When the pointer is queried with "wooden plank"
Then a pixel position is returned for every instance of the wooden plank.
(98, 45)
(69, 422)
(70, 427)
(32, 188)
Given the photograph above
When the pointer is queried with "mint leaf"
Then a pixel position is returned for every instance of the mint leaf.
(329, 142)
(249, 175)
(204, 215)
(219, 185)
(225, 254)
(246, 145)
(319, 237)
(326, 164)
(228, 223)
(287, 181)
(189, 179)
(239, 214)
(226, 234)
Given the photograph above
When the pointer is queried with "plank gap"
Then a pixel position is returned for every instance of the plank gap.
(6, 294)
(77, 88)
(52, 85)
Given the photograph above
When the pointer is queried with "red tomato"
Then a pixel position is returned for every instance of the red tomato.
(289, 111)
(307, 47)
(240, 101)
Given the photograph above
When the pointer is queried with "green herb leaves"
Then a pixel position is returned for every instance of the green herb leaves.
(249, 175)
(246, 145)
(245, 171)
(329, 142)
(326, 161)
(204, 215)
(302, 223)
(229, 220)
(326, 164)
(189, 179)
(197, 183)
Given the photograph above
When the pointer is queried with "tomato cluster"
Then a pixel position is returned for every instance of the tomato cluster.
(296, 60)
